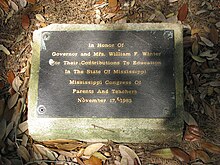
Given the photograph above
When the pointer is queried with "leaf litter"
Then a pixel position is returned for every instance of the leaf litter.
(201, 72)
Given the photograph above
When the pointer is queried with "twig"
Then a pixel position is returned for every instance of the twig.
(95, 126)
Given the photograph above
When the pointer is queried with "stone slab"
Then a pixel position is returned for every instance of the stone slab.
(150, 108)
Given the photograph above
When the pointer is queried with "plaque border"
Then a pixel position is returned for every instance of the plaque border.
(104, 129)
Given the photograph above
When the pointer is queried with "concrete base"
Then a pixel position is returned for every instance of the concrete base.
(103, 129)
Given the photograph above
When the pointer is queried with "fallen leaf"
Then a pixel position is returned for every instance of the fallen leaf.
(13, 100)
(112, 3)
(132, 3)
(187, 117)
(24, 140)
(217, 24)
(23, 152)
(14, 6)
(151, 18)
(201, 11)
(172, 1)
(180, 154)
(124, 161)
(164, 153)
(16, 83)
(40, 18)
(206, 54)
(22, 127)
(9, 128)
(4, 49)
(23, 3)
(25, 22)
(45, 151)
(69, 147)
(128, 153)
(215, 83)
(93, 148)
(206, 41)
(4, 5)
(182, 13)
(2, 107)
(61, 141)
(10, 76)
(202, 155)
(79, 161)
(193, 129)
(198, 59)
(195, 48)
(99, 155)
(67, 154)
(160, 16)
(210, 147)
(2, 128)
(93, 161)
(214, 34)
(10, 14)
(31, 1)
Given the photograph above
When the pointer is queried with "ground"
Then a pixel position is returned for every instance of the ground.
(201, 136)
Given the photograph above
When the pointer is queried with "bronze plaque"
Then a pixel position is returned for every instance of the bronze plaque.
(106, 74)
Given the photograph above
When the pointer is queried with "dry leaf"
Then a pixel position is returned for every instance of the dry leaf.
(193, 129)
(45, 151)
(24, 140)
(202, 155)
(180, 155)
(151, 18)
(4, 5)
(61, 141)
(13, 100)
(112, 3)
(210, 147)
(206, 41)
(214, 34)
(4, 49)
(128, 153)
(69, 147)
(67, 154)
(31, 1)
(25, 22)
(2, 107)
(99, 155)
(217, 24)
(9, 128)
(93, 148)
(16, 83)
(40, 18)
(165, 153)
(93, 161)
(132, 3)
(195, 48)
(23, 3)
(23, 152)
(160, 16)
(124, 161)
(2, 128)
(215, 83)
(201, 11)
(187, 117)
(172, 1)
(198, 59)
(182, 13)
(22, 127)
(14, 6)
(10, 76)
